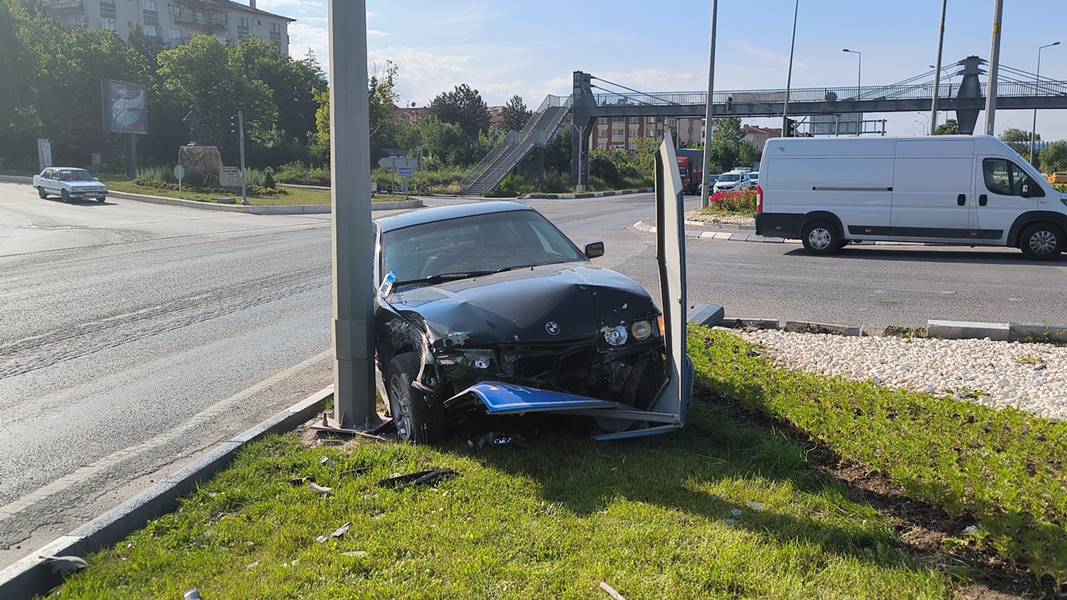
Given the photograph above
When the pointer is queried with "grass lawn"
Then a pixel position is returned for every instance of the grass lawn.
(284, 196)
(722, 509)
(1004, 469)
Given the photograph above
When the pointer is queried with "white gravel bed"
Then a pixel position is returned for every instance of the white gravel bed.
(1030, 377)
(715, 219)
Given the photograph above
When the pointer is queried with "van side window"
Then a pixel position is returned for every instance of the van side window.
(1005, 178)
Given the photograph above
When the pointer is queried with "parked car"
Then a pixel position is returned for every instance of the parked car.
(753, 178)
(489, 304)
(966, 190)
(69, 183)
(737, 179)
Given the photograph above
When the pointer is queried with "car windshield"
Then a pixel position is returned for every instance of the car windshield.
(476, 245)
(78, 175)
(730, 177)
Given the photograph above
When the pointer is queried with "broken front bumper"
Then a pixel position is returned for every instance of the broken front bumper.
(500, 398)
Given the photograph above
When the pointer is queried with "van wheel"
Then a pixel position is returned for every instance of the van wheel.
(820, 237)
(416, 418)
(1041, 241)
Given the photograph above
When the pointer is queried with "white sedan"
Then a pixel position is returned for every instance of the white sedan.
(69, 184)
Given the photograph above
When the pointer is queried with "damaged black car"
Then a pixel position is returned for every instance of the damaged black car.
(489, 305)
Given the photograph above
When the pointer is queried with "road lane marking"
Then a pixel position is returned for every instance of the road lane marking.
(211, 413)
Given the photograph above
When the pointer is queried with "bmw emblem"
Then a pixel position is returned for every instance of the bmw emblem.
(552, 328)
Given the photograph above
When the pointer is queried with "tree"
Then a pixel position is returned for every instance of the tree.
(949, 127)
(1054, 157)
(207, 75)
(464, 107)
(728, 146)
(18, 94)
(558, 151)
(516, 114)
(1018, 139)
(293, 84)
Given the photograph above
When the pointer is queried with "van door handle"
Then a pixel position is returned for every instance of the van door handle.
(983, 200)
(961, 200)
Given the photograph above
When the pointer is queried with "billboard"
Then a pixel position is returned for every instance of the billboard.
(837, 124)
(125, 107)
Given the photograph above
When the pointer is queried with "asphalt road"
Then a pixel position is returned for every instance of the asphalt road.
(133, 335)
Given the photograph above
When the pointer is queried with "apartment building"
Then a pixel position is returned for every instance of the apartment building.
(173, 22)
(624, 133)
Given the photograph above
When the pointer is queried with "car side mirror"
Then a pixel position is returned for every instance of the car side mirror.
(594, 249)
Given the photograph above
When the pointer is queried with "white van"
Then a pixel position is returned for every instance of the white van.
(967, 190)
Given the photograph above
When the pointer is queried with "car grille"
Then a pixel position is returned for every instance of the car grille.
(547, 360)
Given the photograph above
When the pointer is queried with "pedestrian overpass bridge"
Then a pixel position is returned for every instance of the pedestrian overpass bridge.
(593, 97)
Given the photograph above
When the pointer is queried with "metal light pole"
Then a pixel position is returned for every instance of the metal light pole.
(937, 69)
(705, 192)
(789, 77)
(241, 139)
(353, 256)
(859, 82)
(994, 69)
(1037, 84)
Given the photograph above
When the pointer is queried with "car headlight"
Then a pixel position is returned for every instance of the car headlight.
(615, 336)
(641, 330)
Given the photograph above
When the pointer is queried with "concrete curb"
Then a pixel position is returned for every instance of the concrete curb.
(740, 236)
(32, 576)
(708, 315)
(1000, 332)
(937, 329)
(294, 209)
(15, 179)
(584, 194)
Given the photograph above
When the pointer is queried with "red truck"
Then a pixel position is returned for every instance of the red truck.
(689, 162)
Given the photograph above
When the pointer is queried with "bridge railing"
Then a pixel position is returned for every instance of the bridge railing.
(919, 91)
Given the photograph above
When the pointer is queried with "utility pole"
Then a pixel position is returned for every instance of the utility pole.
(789, 77)
(241, 138)
(705, 192)
(353, 257)
(937, 69)
(994, 69)
(1037, 84)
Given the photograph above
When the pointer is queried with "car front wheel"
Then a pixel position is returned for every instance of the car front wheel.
(1042, 241)
(101, 199)
(65, 196)
(821, 237)
(417, 419)
(40, 192)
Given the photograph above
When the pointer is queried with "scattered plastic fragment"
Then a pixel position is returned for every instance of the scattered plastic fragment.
(193, 594)
(341, 531)
(756, 506)
(615, 595)
(420, 478)
(65, 565)
(970, 530)
(320, 489)
(355, 553)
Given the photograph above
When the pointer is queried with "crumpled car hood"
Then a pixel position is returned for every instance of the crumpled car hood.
(518, 307)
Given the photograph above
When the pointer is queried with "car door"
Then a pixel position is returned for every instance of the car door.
(1004, 192)
(48, 180)
(933, 191)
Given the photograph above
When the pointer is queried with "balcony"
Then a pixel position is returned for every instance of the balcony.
(54, 6)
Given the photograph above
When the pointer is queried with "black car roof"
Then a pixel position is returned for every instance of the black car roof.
(444, 213)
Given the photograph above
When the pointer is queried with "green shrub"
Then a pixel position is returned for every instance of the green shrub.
(512, 186)
(302, 173)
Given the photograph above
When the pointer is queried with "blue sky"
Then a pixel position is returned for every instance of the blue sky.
(531, 48)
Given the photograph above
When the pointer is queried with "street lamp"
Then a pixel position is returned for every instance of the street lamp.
(789, 77)
(1037, 84)
(937, 69)
(859, 79)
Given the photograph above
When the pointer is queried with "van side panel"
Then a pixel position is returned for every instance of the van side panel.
(856, 189)
(933, 195)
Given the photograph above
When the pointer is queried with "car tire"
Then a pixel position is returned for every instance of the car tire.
(1042, 241)
(820, 237)
(417, 419)
(101, 199)
(42, 194)
(65, 196)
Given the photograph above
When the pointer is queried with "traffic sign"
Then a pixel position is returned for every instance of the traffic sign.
(405, 171)
(179, 172)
